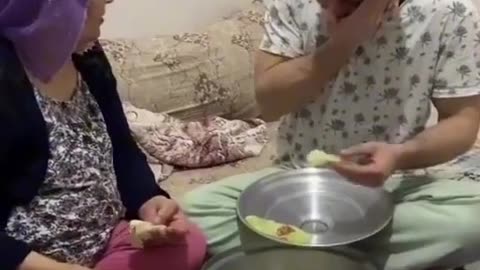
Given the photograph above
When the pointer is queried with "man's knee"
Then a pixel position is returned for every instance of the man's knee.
(454, 224)
(208, 198)
(223, 193)
(463, 227)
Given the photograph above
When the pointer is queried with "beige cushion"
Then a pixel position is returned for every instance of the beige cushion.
(193, 74)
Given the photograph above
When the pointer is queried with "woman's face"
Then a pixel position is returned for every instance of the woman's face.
(95, 13)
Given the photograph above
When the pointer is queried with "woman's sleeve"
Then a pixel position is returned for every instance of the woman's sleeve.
(13, 252)
(135, 179)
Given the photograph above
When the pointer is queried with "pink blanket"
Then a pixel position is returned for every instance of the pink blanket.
(170, 143)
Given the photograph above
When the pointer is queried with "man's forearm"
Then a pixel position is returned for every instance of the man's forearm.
(290, 85)
(438, 144)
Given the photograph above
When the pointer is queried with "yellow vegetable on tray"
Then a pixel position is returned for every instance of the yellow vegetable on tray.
(318, 159)
(288, 233)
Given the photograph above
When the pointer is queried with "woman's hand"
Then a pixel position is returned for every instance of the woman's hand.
(160, 210)
(72, 267)
(369, 164)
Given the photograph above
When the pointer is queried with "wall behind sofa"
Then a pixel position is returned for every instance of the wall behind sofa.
(137, 18)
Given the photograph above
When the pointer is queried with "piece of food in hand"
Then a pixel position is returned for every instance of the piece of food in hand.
(285, 232)
(318, 159)
(142, 232)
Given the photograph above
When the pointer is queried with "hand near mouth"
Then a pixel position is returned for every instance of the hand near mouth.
(361, 24)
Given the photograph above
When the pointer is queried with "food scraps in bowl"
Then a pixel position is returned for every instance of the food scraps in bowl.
(318, 159)
(285, 232)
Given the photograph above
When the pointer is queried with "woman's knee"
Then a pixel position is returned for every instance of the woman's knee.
(188, 255)
(197, 245)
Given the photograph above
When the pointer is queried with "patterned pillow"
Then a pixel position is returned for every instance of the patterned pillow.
(192, 75)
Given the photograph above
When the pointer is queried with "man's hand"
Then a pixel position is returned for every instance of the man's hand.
(362, 24)
(163, 211)
(369, 164)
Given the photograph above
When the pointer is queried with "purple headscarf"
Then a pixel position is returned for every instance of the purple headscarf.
(45, 33)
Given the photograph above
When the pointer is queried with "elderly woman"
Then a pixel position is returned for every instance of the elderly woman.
(71, 174)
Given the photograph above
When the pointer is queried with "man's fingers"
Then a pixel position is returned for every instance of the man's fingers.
(393, 4)
(375, 6)
(361, 174)
(360, 149)
(351, 169)
(324, 3)
(373, 9)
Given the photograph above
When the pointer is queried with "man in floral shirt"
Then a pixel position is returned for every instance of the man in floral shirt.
(357, 78)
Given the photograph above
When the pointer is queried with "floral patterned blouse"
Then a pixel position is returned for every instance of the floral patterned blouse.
(78, 206)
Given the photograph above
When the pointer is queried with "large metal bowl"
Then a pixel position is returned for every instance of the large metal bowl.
(319, 201)
(288, 258)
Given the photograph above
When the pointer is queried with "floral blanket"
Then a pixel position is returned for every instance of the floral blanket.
(171, 143)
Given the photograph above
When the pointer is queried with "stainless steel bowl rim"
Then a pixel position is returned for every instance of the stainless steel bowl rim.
(293, 172)
(343, 251)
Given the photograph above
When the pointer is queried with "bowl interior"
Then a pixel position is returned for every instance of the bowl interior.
(320, 202)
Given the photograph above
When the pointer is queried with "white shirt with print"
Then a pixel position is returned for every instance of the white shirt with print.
(428, 51)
